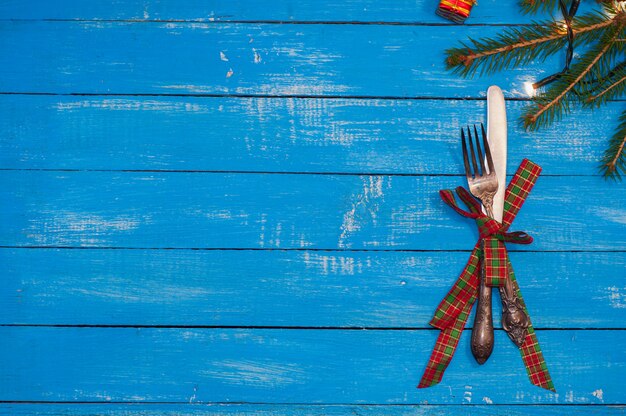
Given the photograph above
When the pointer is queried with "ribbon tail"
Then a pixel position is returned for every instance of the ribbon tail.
(461, 293)
(451, 317)
(532, 356)
(444, 349)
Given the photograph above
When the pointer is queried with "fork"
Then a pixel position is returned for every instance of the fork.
(483, 185)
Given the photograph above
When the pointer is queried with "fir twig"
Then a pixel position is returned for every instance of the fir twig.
(614, 161)
(517, 46)
(533, 6)
(551, 105)
(608, 88)
(596, 77)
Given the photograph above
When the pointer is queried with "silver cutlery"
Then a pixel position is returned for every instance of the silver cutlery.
(515, 321)
(483, 185)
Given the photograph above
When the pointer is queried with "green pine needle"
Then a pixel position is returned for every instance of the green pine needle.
(594, 78)
(534, 6)
(519, 46)
(614, 160)
(558, 98)
(605, 87)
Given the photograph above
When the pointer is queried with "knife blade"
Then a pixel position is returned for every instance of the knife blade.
(497, 138)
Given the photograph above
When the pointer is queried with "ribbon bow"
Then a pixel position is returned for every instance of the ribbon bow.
(490, 253)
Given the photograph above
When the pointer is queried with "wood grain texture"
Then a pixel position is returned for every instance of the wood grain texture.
(295, 366)
(230, 88)
(294, 289)
(195, 409)
(402, 11)
(203, 210)
(266, 59)
(277, 135)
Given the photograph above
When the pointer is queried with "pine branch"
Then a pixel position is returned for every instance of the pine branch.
(605, 70)
(554, 103)
(517, 46)
(534, 6)
(595, 78)
(614, 160)
(609, 87)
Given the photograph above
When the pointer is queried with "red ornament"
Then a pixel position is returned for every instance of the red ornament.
(455, 10)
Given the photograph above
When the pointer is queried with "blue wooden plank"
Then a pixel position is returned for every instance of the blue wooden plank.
(296, 366)
(276, 134)
(275, 288)
(405, 11)
(199, 58)
(204, 210)
(195, 409)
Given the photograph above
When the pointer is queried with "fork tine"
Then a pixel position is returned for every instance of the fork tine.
(468, 170)
(487, 151)
(471, 146)
(480, 153)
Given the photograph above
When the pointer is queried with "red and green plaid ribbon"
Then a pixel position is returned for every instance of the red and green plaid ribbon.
(490, 253)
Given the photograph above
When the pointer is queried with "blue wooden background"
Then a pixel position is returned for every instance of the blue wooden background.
(231, 208)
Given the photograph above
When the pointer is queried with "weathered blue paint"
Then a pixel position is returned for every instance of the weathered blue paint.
(123, 265)
(205, 210)
(294, 366)
(277, 135)
(251, 58)
(405, 11)
(196, 409)
(269, 288)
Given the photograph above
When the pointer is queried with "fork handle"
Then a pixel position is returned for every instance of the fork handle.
(482, 332)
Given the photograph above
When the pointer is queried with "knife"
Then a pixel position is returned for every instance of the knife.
(515, 321)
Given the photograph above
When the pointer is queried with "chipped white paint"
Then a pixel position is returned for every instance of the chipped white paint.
(193, 396)
(276, 232)
(487, 400)
(617, 216)
(102, 395)
(67, 228)
(599, 394)
(301, 85)
(223, 56)
(616, 297)
(221, 214)
(329, 264)
(188, 88)
(257, 56)
(254, 373)
(569, 397)
(467, 395)
(229, 73)
(364, 209)
(262, 223)
(133, 105)
(191, 25)
(122, 289)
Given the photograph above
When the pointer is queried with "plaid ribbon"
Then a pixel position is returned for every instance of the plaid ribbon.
(453, 311)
